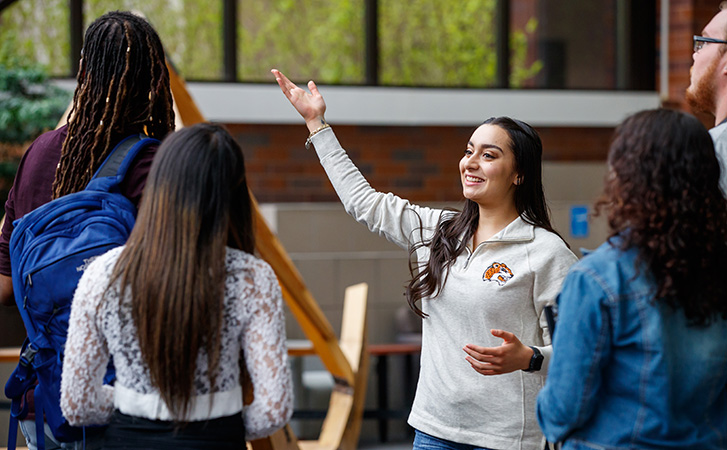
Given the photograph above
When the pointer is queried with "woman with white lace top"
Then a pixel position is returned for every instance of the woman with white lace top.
(197, 310)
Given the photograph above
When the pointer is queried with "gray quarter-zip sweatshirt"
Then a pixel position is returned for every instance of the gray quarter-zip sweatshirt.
(502, 284)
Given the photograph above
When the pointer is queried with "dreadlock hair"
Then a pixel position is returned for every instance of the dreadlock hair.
(123, 88)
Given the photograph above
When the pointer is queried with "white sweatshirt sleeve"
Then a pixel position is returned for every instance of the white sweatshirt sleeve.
(386, 214)
(550, 264)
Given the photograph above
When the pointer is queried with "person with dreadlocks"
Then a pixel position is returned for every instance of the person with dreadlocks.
(123, 89)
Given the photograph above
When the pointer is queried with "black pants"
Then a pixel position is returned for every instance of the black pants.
(128, 432)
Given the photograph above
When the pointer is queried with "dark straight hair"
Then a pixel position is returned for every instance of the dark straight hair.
(452, 235)
(195, 203)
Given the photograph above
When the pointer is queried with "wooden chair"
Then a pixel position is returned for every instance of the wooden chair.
(342, 425)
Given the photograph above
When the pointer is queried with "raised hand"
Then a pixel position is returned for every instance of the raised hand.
(510, 356)
(310, 106)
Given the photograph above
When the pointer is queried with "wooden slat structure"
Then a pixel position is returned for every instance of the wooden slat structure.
(9, 355)
(347, 360)
(296, 294)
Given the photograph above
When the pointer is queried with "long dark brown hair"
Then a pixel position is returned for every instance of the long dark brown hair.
(123, 89)
(452, 234)
(663, 198)
(195, 203)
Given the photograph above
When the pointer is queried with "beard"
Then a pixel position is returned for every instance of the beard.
(700, 96)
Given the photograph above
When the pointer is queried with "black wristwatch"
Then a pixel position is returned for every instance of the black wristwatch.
(536, 362)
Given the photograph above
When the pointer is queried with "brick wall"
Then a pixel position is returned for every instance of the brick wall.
(686, 18)
(417, 163)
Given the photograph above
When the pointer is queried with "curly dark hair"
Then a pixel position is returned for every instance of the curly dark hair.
(663, 198)
(123, 89)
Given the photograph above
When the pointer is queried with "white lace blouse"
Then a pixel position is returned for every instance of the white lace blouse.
(252, 321)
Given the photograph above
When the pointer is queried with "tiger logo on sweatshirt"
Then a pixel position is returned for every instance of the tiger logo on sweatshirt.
(498, 272)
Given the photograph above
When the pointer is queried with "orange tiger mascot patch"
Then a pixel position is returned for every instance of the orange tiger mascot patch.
(498, 272)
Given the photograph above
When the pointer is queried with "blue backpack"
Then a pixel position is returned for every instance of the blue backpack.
(49, 249)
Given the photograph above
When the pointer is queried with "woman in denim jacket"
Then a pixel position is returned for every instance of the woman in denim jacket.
(640, 352)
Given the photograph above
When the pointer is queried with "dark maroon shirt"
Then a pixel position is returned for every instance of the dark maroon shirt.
(33, 185)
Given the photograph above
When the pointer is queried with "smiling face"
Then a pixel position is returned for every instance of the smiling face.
(487, 168)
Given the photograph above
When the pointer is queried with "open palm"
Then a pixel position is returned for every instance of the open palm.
(310, 106)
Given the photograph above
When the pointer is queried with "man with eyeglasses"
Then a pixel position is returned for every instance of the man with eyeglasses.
(708, 89)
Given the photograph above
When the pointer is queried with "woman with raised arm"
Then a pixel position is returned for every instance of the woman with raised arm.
(181, 308)
(640, 351)
(482, 275)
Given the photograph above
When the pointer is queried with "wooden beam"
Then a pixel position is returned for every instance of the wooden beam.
(9, 355)
(342, 426)
(301, 302)
(283, 439)
(184, 106)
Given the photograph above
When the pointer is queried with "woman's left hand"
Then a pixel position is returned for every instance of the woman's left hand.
(512, 355)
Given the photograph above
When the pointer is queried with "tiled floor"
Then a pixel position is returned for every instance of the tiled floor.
(386, 446)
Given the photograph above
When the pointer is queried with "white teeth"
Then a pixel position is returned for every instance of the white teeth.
(473, 179)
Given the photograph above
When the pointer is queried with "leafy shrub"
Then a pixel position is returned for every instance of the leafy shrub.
(29, 104)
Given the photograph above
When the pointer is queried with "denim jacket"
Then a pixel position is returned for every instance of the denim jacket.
(627, 372)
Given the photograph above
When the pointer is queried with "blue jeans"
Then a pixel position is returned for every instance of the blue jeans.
(423, 441)
(27, 427)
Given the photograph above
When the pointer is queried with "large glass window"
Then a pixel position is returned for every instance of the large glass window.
(609, 44)
(190, 30)
(576, 41)
(307, 39)
(564, 44)
(37, 31)
(444, 43)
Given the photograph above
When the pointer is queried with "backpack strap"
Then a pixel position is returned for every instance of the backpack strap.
(21, 381)
(122, 156)
(39, 418)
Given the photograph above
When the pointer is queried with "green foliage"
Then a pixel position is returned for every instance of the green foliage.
(520, 71)
(37, 30)
(191, 31)
(311, 39)
(422, 43)
(438, 43)
(29, 105)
